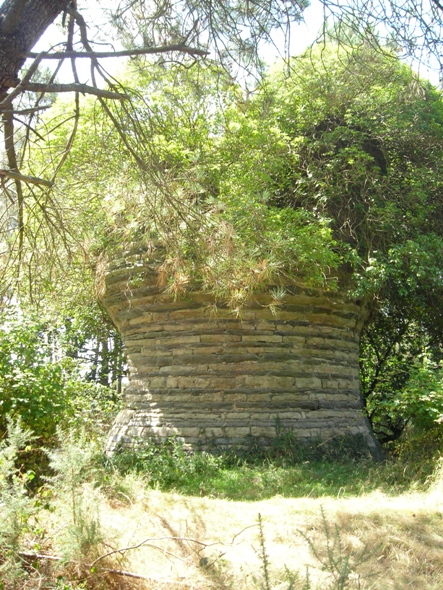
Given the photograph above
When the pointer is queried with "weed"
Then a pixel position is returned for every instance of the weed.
(335, 557)
(243, 475)
(331, 552)
(168, 465)
(72, 464)
(16, 506)
(293, 580)
(264, 558)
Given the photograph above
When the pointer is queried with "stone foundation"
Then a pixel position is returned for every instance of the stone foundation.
(219, 380)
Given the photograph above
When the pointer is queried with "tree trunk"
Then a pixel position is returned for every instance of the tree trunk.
(22, 24)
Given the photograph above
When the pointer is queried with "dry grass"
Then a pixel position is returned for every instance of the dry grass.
(202, 544)
(169, 541)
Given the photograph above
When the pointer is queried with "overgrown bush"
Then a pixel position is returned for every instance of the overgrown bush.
(73, 463)
(17, 506)
(26, 540)
(421, 401)
(32, 383)
(41, 386)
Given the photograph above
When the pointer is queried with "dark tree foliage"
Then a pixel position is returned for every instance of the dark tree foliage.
(369, 158)
(402, 346)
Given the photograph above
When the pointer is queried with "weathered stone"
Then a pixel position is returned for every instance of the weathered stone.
(220, 380)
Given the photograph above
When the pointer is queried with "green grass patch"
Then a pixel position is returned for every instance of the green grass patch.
(171, 467)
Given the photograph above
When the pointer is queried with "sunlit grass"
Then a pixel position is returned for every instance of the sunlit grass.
(172, 468)
(402, 535)
(168, 519)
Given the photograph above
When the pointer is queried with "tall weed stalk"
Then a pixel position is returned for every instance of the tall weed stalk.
(264, 558)
(335, 557)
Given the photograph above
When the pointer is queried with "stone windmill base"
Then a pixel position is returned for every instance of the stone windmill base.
(218, 381)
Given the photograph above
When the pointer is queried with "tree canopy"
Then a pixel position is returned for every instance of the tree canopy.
(331, 169)
(185, 31)
(328, 174)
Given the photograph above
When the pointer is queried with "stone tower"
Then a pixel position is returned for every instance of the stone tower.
(219, 380)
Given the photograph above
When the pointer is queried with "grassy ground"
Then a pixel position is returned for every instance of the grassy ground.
(371, 541)
(175, 521)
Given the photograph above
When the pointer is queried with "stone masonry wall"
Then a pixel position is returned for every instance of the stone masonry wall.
(218, 380)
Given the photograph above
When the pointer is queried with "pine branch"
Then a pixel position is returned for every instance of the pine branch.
(29, 111)
(124, 53)
(24, 178)
(83, 88)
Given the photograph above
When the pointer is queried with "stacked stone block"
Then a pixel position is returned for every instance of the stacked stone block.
(219, 380)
